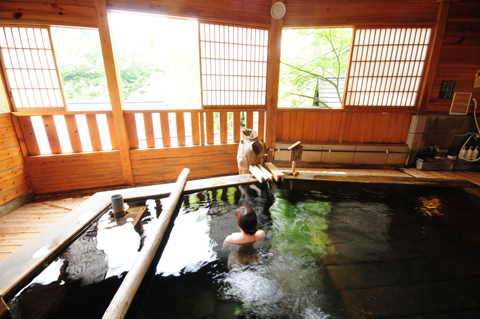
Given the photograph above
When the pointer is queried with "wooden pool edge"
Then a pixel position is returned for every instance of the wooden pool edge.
(16, 268)
(384, 180)
(28, 259)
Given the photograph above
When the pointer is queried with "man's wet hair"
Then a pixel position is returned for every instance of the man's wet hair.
(246, 219)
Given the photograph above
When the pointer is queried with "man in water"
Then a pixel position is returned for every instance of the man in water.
(247, 222)
(243, 245)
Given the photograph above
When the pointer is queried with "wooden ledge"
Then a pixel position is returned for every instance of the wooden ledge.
(28, 259)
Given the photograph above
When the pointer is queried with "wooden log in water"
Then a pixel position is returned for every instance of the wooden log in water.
(123, 298)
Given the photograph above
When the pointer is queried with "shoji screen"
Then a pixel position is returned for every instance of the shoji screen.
(233, 65)
(30, 67)
(386, 67)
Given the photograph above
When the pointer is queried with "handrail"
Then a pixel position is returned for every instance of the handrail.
(347, 110)
(59, 113)
(123, 298)
(195, 110)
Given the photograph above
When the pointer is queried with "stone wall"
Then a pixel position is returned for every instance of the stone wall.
(445, 131)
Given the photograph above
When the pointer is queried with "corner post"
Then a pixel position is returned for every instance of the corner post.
(434, 55)
(273, 78)
(115, 90)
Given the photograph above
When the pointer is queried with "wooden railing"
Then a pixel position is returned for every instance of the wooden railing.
(165, 128)
(65, 132)
(77, 131)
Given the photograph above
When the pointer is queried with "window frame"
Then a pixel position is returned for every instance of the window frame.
(421, 76)
(264, 76)
(57, 72)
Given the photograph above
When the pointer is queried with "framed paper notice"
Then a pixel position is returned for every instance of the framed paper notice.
(446, 90)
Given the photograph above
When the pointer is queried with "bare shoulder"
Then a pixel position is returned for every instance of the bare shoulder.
(233, 238)
(259, 233)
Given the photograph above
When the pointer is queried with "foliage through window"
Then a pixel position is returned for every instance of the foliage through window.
(80, 63)
(313, 67)
(158, 61)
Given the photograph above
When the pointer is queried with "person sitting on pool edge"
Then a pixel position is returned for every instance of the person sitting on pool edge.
(247, 222)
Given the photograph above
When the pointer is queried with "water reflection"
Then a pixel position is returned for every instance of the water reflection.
(50, 274)
(285, 281)
(120, 244)
(430, 206)
(189, 246)
(84, 262)
(360, 230)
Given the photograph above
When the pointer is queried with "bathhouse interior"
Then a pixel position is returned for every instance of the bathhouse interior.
(362, 115)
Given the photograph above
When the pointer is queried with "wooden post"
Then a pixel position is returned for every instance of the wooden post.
(123, 298)
(21, 139)
(294, 163)
(274, 44)
(4, 93)
(433, 55)
(3, 306)
(295, 155)
(115, 90)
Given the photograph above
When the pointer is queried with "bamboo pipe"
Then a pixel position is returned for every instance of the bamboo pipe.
(257, 173)
(266, 172)
(266, 176)
(123, 298)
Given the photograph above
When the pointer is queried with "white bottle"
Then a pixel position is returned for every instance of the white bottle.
(475, 153)
(463, 153)
(469, 153)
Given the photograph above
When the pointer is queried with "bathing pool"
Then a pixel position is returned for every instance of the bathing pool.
(331, 250)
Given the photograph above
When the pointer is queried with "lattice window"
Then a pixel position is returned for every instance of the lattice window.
(386, 66)
(233, 65)
(30, 67)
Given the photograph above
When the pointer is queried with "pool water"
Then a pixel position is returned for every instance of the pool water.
(331, 250)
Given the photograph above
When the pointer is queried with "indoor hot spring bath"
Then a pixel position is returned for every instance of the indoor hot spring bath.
(331, 250)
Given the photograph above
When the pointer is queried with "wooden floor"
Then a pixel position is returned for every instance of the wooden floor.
(29, 220)
(26, 222)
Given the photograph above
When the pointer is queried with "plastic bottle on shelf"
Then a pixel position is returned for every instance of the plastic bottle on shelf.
(475, 153)
(469, 153)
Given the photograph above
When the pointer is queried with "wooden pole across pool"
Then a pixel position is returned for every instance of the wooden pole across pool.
(123, 298)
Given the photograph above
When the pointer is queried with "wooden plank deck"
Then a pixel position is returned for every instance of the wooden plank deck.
(23, 224)
(26, 222)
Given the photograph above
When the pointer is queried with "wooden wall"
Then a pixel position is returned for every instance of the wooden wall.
(56, 173)
(14, 178)
(164, 165)
(458, 61)
(252, 12)
(342, 126)
(308, 13)
(460, 54)
(299, 12)
(55, 12)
